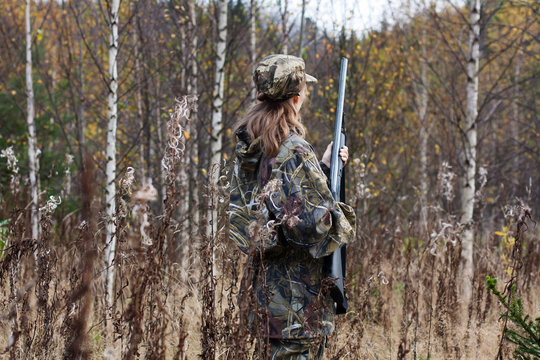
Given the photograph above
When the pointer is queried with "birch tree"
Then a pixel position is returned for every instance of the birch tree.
(219, 83)
(284, 12)
(424, 131)
(193, 89)
(302, 21)
(217, 112)
(110, 190)
(33, 160)
(469, 132)
(183, 172)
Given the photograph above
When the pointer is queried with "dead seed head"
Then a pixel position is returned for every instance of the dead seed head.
(12, 160)
(518, 211)
(176, 135)
(127, 181)
(51, 205)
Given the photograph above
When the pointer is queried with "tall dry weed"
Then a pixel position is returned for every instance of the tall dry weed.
(77, 317)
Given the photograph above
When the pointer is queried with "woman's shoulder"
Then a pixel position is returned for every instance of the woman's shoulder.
(293, 146)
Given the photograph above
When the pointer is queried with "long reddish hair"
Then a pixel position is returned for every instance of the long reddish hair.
(273, 121)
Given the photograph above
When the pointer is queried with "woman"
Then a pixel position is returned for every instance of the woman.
(282, 210)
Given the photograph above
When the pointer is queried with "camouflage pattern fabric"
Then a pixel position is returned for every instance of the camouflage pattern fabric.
(296, 349)
(279, 76)
(243, 205)
(301, 223)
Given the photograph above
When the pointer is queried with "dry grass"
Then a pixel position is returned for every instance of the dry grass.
(400, 308)
(403, 289)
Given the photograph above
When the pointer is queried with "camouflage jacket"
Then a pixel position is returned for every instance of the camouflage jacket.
(283, 207)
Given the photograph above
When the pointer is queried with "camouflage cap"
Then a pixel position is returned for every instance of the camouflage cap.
(278, 77)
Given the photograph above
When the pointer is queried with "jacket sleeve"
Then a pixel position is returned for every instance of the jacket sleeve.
(308, 215)
(325, 169)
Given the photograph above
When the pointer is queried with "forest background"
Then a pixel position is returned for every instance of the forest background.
(116, 144)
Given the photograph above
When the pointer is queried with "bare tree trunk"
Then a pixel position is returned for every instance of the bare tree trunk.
(284, 12)
(81, 125)
(33, 160)
(161, 134)
(110, 190)
(253, 41)
(138, 99)
(54, 59)
(193, 154)
(161, 137)
(424, 134)
(302, 20)
(469, 152)
(217, 116)
(183, 173)
(515, 122)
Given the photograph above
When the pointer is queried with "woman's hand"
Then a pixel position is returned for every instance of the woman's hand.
(343, 153)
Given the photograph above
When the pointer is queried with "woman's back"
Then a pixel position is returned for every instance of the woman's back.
(299, 224)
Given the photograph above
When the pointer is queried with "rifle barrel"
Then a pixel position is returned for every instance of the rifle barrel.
(339, 139)
(335, 263)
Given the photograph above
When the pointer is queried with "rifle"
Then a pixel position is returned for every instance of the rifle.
(335, 263)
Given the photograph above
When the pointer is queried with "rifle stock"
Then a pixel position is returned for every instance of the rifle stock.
(335, 263)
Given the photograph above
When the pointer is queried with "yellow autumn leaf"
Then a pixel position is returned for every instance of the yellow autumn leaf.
(499, 233)
(186, 135)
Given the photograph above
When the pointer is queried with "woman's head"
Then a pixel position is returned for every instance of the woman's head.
(280, 77)
(281, 91)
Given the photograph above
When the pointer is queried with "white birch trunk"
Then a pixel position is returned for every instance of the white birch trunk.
(110, 190)
(217, 114)
(183, 175)
(302, 21)
(33, 160)
(217, 119)
(469, 153)
(253, 48)
(193, 89)
(284, 27)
